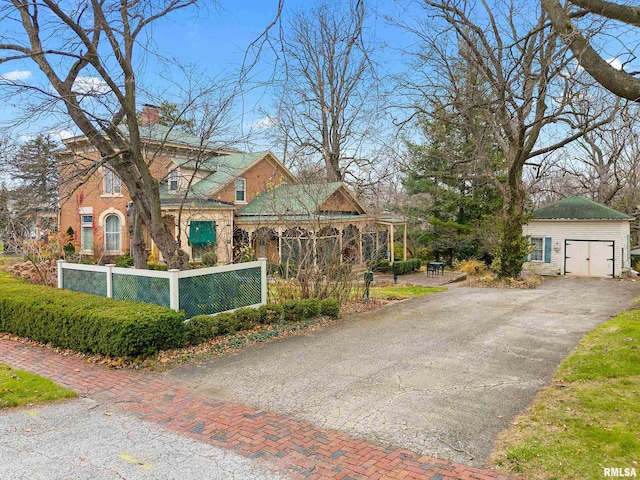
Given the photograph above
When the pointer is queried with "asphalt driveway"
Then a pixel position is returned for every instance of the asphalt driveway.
(442, 375)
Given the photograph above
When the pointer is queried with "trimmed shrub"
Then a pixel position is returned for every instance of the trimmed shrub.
(210, 259)
(69, 248)
(330, 307)
(406, 266)
(123, 261)
(226, 323)
(289, 310)
(247, 318)
(88, 323)
(307, 308)
(201, 328)
(380, 265)
(271, 313)
(157, 266)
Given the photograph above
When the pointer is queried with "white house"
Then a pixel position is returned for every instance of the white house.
(576, 236)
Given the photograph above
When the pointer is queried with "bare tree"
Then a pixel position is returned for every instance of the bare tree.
(500, 73)
(327, 89)
(90, 53)
(581, 41)
(604, 164)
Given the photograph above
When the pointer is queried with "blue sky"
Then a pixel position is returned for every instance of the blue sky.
(214, 39)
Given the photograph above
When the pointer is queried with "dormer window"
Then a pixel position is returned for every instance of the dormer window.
(241, 190)
(112, 183)
(174, 180)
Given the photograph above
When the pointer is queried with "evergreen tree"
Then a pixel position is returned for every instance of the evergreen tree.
(453, 203)
(36, 169)
(5, 218)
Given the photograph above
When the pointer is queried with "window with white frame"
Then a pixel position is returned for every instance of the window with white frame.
(537, 254)
(241, 190)
(112, 233)
(112, 183)
(86, 232)
(174, 180)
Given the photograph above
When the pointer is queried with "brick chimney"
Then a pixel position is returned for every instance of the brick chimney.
(150, 114)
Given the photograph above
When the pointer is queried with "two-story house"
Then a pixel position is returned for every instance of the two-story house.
(222, 200)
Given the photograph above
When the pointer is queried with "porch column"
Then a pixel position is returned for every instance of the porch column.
(405, 242)
(279, 232)
(391, 242)
(340, 232)
(314, 250)
(360, 244)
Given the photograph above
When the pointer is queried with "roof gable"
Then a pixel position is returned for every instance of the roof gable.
(221, 170)
(298, 200)
(578, 208)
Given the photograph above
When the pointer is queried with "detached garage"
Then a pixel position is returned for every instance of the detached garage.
(576, 236)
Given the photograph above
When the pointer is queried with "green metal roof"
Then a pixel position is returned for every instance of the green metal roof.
(222, 168)
(290, 200)
(578, 208)
(161, 133)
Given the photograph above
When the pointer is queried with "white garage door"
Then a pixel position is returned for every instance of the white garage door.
(589, 258)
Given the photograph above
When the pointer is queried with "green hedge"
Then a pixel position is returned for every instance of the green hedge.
(201, 328)
(401, 267)
(406, 266)
(88, 323)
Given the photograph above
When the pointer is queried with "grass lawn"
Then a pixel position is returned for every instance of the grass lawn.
(589, 418)
(18, 388)
(402, 292)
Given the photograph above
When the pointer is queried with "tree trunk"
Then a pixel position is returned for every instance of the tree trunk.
(151, 216)
(332, 163)
(138, 247)
(513, 246)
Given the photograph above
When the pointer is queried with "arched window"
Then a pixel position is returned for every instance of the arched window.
(112, 233)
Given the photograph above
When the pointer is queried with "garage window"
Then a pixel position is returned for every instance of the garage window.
(541, 249)
(538, 252)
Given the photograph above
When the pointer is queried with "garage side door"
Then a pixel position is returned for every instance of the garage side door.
(589, 258)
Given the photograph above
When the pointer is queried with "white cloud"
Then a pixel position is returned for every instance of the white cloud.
(90, 86)
(263, 123)
(16, 75)
(61, 134)
(27, 137)
(615, 63)
(57, 135)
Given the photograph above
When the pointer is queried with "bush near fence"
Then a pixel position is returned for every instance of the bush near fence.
(201, 328)
(87, 323)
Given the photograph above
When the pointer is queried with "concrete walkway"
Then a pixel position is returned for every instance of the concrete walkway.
(83, 439)
(295, 447)
(440, 375)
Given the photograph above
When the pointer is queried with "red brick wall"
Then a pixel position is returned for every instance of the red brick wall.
(91, 194)
(263, 174)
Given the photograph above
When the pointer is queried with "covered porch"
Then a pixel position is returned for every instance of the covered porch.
(315, 242)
